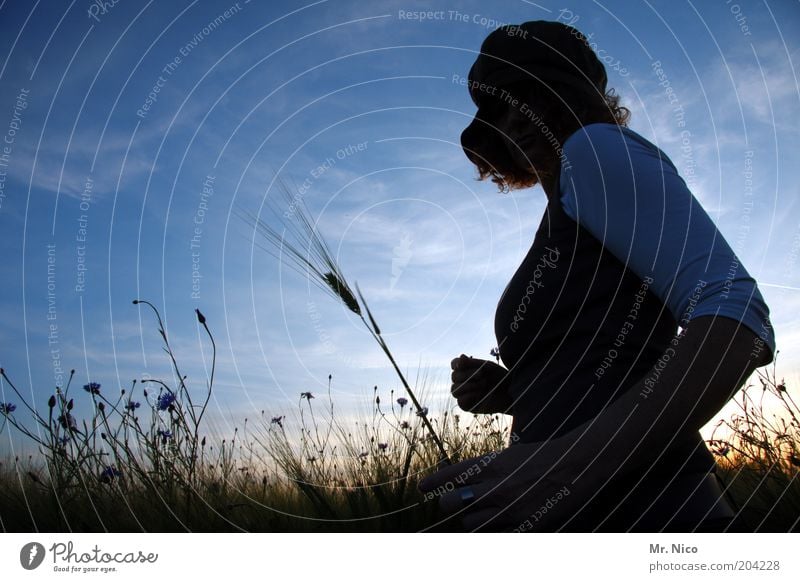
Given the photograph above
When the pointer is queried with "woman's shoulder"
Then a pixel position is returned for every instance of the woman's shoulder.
(599, 135)
(607, 144)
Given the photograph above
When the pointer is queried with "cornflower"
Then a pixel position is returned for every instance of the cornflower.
(165, 400)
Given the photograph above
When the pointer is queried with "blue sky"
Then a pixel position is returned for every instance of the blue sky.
(118, 117)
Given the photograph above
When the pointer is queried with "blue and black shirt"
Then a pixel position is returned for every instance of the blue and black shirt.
(624, 254)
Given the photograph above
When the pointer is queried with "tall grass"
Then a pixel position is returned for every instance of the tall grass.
(310, 254)
(142, 461)
(759, 458)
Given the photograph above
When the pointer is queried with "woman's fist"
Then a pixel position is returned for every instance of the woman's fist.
(480, 386)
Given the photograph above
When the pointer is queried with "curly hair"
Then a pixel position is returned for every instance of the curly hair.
(555, 111)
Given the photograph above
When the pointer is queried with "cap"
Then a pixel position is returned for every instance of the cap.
(542, 50)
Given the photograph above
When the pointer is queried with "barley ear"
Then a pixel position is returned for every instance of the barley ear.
(343, 291)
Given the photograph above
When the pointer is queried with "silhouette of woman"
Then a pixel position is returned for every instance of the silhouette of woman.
(627, 326)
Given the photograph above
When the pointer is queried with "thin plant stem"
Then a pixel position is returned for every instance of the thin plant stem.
(327, 274)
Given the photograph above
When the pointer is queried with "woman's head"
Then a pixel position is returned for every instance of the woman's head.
(534, 84)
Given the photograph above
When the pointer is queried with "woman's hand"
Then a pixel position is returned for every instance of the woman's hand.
(526, 487)
(480, 386)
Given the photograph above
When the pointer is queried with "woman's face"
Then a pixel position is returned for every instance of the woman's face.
(519, 132)
(504, 134)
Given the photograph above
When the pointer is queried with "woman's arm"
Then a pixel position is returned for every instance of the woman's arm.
(700, 371)
(628, 195)
(508, 490)
(627, 192)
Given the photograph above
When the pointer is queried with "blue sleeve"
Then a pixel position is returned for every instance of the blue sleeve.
(627, 193)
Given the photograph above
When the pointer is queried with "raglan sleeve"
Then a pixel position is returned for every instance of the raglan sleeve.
(628, 194)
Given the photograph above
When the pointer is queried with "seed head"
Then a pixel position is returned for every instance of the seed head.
(109, 474)
(67, 422)
(343, 291)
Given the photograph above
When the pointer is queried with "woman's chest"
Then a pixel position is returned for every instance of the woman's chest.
(564, 275)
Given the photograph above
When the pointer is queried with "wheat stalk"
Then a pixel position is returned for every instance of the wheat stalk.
(326, 274)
